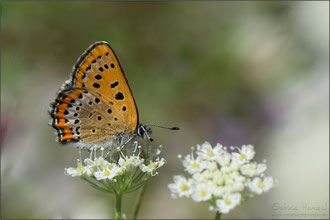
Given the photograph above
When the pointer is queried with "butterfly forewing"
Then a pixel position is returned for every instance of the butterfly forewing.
(97, 104)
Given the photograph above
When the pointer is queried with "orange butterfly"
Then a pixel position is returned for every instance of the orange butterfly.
(96, 106)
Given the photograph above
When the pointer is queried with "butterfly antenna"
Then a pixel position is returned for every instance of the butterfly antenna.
(159, 126)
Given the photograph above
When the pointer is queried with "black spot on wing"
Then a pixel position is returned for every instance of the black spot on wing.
(96, 85)
(98, 77)
(119, 96)
(114, 84)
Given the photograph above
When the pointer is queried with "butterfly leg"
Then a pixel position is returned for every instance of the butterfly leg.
(136, 143)
(129, 139)
(107, 153)
(121, 147)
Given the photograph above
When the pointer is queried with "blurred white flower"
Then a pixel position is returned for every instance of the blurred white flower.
(210, 165)
(258, 186)
(201, 192)
(252, 169)
(224, 159)
(219, 177)
(228, 202)
(181, 186)
(208, 153)
(245, 154)
(192, 165)
(232, 166)
(219, 191)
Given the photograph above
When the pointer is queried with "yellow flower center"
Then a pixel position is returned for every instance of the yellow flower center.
(80, 169)
(210, 153)
(184, 187)
(195, 165)
(106, 173)
(202, 193)
(150, 165)
(260, 184)
(227, 201)
(242, 157)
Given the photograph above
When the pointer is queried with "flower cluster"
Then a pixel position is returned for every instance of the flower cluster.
(125, 174)
(221, 177)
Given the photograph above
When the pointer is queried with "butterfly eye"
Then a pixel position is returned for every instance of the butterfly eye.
(140, 132)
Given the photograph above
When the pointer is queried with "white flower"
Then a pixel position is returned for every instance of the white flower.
(238, 184)
(233, 166)
(208, 153)
(201, 193)
(108, 172)
(101, 162)
(224, 159)
(229, 179)
(210, 165)
(80, 170)
(228, 202)
(219, 191)
(206, 175)
(198, 177)
(192, 165)
(95, 165)
(218, 178)
(259, 186)
(91, 166)
(261, 167)
(181, 186)
(245, 154)
(133, 160)
(152, 166)
(252, 169)
(221, 177)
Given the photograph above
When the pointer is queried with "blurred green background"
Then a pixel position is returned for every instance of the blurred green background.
(229, 72)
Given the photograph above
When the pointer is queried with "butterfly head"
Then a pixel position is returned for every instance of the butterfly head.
(144, 132)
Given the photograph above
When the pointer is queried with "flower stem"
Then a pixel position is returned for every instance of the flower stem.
(139, 201)
(217, 215)
(118, 205)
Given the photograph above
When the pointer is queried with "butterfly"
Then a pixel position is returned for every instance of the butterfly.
(96, 107)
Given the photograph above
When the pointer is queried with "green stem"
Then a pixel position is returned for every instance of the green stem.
(217, 215)
(139, 201)
(118, 205)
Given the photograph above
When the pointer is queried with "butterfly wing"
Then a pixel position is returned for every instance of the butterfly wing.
(97, 103)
